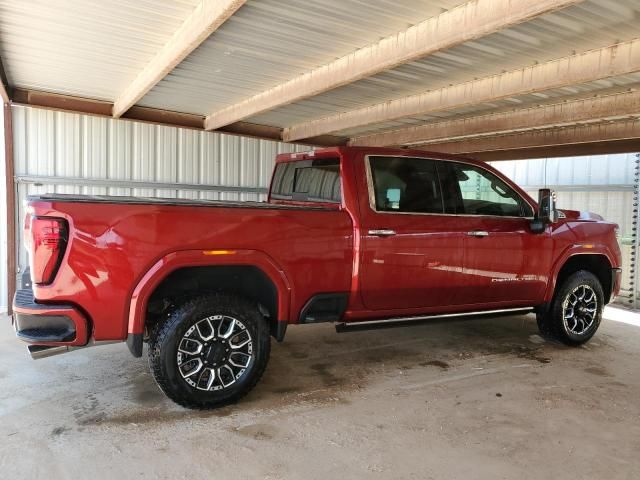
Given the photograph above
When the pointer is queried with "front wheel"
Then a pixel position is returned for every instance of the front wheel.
(575, 312)
(210, 352)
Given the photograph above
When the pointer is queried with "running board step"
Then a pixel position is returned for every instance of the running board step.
(411, 321)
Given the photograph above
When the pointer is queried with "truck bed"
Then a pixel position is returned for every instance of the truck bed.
(114, 241)
(184, 202)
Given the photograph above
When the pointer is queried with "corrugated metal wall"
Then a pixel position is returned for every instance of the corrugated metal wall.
(3, 224)
(603, 184)
(81, 152)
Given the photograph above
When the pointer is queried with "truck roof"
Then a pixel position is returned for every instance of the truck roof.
(342, 150)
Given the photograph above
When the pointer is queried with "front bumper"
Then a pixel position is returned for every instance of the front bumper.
(47, 325)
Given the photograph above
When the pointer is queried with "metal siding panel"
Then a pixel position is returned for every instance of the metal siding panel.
(166, 161)
(94, 151)
(3, 221)
(615, 169)
(119, 154)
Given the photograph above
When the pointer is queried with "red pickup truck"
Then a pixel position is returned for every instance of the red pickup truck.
(355, 236)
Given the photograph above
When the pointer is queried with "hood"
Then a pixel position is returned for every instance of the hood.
(579, 215)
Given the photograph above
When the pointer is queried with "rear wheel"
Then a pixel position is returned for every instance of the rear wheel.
(575, 312)
(210, 351)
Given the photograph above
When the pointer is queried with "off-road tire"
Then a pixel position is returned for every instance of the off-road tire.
(551, 322)
(167, 335)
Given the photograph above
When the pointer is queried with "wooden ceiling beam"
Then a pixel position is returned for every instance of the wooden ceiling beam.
(614, 60)
(206, 18)
(89, 106)
(469, 21)
(592, 109)
(5, 89)
(552, 151)
(627, 130)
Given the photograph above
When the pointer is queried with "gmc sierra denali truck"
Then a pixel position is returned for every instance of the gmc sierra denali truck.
(354, 236)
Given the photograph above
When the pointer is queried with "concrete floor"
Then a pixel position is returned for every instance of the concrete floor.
(466, 399)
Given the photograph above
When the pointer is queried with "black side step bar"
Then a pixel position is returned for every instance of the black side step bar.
(411, 321)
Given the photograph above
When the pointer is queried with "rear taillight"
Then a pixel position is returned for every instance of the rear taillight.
(48, 242)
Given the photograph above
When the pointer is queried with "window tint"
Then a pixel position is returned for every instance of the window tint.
(480, 192)
(308, 181)
(403, 184)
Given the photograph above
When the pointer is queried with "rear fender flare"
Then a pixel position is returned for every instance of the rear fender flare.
(203, 258)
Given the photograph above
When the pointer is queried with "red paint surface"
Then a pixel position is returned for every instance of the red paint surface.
(118, 253)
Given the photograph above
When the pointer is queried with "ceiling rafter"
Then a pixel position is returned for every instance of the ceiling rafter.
(618, 59)
(5, 89)
(206, 18)
(469, 21)
(590, 109)
(628, 129)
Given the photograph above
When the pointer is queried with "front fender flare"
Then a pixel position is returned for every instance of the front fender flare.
(572, 251)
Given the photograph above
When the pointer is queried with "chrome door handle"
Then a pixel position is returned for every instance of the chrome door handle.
(382, 232)
(478, 233)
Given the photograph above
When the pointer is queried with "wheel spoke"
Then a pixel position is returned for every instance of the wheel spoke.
(190, 346)
(239, 340)
(225, 372)
(205, 329)
(190, 367)
(228, 330)
(239, 359)
(206, 378)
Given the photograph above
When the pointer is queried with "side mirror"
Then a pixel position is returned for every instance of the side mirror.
(547, 213)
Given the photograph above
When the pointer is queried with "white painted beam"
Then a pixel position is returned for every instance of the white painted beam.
(592, 109)
(4, 85)
(628, 129)
(203, 21)
(619, 59)
(470, 21)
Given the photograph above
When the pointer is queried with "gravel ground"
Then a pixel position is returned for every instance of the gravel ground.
(460, 399)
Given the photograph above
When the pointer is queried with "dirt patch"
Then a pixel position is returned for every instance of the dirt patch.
(323, 370)
(435, 363)
(59, 431)
(599, 371)
(527, 352)
(258, 431)
(148, 416)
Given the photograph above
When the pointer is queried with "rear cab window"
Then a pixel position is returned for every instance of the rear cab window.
(315, 181)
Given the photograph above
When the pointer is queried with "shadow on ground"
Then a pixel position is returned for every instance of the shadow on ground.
(317, 365)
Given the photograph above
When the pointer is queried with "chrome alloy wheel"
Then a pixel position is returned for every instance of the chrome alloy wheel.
(579, 310)
(215, 352)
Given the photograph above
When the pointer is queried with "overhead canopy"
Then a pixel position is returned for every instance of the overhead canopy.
(492, 78)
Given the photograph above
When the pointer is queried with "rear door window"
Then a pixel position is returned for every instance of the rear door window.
(405, 185)
(307, 181)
